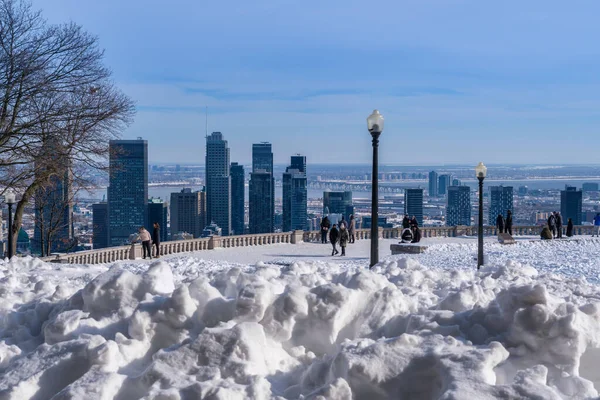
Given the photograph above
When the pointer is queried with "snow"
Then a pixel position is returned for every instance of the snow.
(289, 321)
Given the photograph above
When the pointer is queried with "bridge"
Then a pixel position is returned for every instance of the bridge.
(133, 251)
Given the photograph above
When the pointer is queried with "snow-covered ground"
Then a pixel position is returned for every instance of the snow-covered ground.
(290, 321)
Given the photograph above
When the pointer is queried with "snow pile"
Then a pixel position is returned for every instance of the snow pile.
(311, 330)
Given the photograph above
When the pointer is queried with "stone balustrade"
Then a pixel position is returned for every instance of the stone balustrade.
(134, 251)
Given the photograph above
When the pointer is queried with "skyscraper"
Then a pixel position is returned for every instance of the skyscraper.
(570, 205)
(262, 190)
(444, 181)
(127, 190)
(218, 182)
(158, 212)
(458, 208)
(295, 195)
(188, 212)
(338, 203)
(237, 198)
(501, 200)
(433, 184)
(589, 187)
(413, 204)
(100, 225)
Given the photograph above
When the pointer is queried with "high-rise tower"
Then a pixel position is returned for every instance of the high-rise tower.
(218, 182)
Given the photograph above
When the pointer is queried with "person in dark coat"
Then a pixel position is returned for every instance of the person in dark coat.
(405, 222)
(416, 235)
(351, 229)
(156, 238)
(546, 234)
(569, 227)
(344, 237)
(500, 223)
(325, 225)
(407, 235)
(508, 223)
(558, 222)
(333, 237)
(552, 225)
(413, 222)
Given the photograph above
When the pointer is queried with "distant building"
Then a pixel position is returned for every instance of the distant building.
(444, 181)
(262, 157)
(382, 222)
(188, 212)
(211, 230)
(338, 203)
(158, 212)
(261, 202)
(238, 198)
(23, 242)
(127, 190)
(458, 208)
(100, 225)
(523, 190)
(433, 184)
(501, 200)
(456, 182)
(218, 182)
(413, 204)
(589, 187)
(295, 195)
(570, 205)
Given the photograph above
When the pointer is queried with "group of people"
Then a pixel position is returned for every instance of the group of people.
(410, 230)
(505, 225)
(150, 241)
(342, 233)
(554, 227)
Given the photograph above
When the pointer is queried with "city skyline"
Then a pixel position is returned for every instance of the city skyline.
(467, 81)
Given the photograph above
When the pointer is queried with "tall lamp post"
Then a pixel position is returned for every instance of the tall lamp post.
(9, 198)
(375, 126)
(480, 171)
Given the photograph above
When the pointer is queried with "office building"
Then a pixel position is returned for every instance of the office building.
(382, 222)
(444, 181)
(261, 202)
(262, 157)
(218, 183)
(523, 190)
(158, 212)
(100, 225)
(238, 193)
(127, 190)
(413, 204)
(188, 212)
(433, 184)
(295, 195)
(501, 200)
(456, 182)
(570, 205)
(458, 207)
(338, 203)
(589, 187)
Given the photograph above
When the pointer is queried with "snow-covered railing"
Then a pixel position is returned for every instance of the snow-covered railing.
(134, 251)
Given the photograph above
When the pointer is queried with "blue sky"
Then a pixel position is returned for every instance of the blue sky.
(457, 81)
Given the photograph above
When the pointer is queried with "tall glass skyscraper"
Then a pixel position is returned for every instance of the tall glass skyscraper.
(501, 200)
(458, 208)
(338, 203)
(413, 204)
(295, 195)
(444, 181)
(433, 184)
(158, 212)
(127, 190)
(262, 190)
(238, 193)
(188, 212)
(218, 182)
(100, 225)
(570, 205)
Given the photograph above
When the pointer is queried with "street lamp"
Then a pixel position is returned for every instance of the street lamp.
(10, 199)
(480, 171)
(375, 126)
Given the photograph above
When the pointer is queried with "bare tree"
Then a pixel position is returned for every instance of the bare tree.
(55, 89)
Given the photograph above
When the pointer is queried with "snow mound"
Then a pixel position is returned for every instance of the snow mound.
(309, 330)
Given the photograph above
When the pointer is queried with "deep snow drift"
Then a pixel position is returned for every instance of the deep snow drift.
(189, 329)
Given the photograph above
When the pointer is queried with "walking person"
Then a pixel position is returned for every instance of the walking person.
(552, 225)
(570, 228)
(558, 223)
(508, 223)
(500, 223)
(352, 228)
(333, 237)
(343, 223)
(344, 237)
(325, 225)
(156, 239)
(145, 239)
(596, 225)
